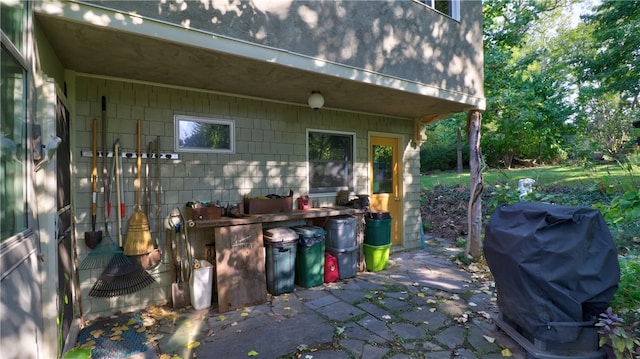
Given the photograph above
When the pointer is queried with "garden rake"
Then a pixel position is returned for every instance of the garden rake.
(107, 252)
(118, 280)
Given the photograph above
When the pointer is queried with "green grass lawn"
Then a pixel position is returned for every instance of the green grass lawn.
(565, 176)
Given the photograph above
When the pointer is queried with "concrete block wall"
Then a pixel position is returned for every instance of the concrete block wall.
(270, 157)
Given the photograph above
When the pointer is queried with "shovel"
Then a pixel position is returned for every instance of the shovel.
(91, 239)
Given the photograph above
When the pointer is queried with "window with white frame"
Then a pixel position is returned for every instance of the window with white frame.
(199, 134)
(450, 8)
(13, 115)
(330, 158)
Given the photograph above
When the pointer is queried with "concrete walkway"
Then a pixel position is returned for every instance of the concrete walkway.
(422, 306)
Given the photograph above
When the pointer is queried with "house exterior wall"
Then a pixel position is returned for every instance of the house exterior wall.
(270, 158)
(403, 39)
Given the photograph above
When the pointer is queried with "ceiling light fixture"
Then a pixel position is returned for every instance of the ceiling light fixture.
(316, 100)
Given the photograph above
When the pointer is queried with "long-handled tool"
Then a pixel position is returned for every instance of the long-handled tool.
(138, 240)
(155, 257)
(91, 239)
(118, 280)
(107, 252)
(158, 207)
(179, 288)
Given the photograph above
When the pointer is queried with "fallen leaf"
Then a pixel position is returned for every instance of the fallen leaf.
(252, 353)
(90, 344)
(489, 339)
(78, 353)
(164, 356)
(421, 295)
(506, 352)
(244, 314)
(131, 322)
(431, 301)
(193, 345)
(455, 297)
(140, 330)
(432, 310)
(97, 333)
(472, 304)
(485, 314)
(115, 338)
(221, 318)
(287, 308)
(155, 337)
(386, 317)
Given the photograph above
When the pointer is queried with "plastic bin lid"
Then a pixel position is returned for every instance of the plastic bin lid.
(340, 219)
(280, 234)
(378, 215)
(309, 231)
(341, 250)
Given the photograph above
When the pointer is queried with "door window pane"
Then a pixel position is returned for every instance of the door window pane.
(382, 169)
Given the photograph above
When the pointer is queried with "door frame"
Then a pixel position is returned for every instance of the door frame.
(397, 235)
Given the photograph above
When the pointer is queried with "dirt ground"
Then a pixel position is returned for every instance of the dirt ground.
(444, 209)
(445, 212)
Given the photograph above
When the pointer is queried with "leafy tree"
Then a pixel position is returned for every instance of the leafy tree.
(616, 35)
(439, 151)
(607, 69)
(526, 90)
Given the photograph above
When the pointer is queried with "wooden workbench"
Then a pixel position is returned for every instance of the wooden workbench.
(239, 252)
(274, 217)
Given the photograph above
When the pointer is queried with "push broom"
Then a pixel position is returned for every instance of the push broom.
(118, 280)
(139, 245)
(138, 241)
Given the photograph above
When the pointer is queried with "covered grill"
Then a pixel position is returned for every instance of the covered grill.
(556, 270)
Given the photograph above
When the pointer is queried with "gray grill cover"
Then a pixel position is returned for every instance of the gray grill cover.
(555, 267)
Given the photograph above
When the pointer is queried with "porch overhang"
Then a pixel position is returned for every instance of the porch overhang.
(102, 42)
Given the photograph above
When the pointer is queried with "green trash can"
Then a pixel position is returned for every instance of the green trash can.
(281, 246)
(310, 256)
(377, 229)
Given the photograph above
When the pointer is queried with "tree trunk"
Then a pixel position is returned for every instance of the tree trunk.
(459, 150)
(474, 214)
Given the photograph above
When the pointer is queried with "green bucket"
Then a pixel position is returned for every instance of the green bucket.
(376, 257)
